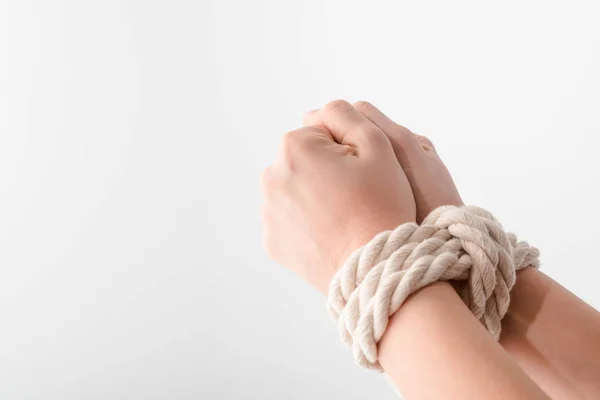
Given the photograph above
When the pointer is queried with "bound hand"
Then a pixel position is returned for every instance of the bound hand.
(334, 187)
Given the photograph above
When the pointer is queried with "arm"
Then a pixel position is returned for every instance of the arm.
(554, 336)
(435, 348)
(333, 187)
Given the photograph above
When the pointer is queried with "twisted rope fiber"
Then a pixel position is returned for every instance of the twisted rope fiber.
(462, 244)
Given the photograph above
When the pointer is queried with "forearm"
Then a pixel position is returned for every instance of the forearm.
(554, 336)
(435, 348)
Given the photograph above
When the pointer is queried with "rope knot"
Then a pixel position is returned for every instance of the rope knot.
(463, 244)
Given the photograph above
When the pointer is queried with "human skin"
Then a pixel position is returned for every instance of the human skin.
(336, 185)
(328, 191)
(552, 334)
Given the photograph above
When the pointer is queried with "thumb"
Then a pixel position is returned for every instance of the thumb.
(349, 127)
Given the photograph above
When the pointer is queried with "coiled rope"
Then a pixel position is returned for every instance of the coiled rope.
(462, 244)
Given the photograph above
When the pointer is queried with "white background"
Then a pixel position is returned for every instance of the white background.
(132, 135)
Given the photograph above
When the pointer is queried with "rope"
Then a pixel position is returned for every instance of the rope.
(462, 244)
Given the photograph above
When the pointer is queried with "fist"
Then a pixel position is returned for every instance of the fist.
(333, 188)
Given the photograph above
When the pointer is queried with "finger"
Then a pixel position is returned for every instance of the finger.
(309, 117)
(426, 143)
(348, 126)
(308, 135)
(306, 141)
(402, 139)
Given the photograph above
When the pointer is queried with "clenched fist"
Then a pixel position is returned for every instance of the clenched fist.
(334, 187)
(429, 179)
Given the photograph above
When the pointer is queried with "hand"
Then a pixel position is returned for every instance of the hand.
(334, 187)
(431, 183)
(418, 338)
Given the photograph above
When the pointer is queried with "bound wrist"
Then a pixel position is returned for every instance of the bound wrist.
(371, 227)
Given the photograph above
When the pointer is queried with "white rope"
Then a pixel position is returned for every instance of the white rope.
(464, 244)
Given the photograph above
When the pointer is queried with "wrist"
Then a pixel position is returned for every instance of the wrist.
(526, 298)
(360, 236)
(431, 301)
(434, 334)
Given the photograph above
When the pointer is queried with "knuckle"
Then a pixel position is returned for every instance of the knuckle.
(271, 183)
(336, 106)
(364, 106)
(375, 136)
(424, 140)
(370, 131)
(403, 136)
(297, 142)
(291, 138)
(291, 146)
